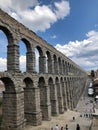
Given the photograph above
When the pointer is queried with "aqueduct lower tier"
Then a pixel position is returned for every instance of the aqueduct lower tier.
(31, 97)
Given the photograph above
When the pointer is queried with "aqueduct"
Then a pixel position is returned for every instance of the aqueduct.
(31, 97)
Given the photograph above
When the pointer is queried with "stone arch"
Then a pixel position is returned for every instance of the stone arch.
(49, 62)
(28, 55)
(40, 60)
(10, 42)
(44, 99)
(63, 92)
(71, 92)
(72, 69)
(66, 68)
(59, 95)
(8, 84)
(60, 65)
(55, 64)
(8, 34)
(50, 84)
(11, 105)
(56, 80)
(28, 82)
(50, 81)
(29, 100)
(69, 67)
(53, 97)
(68, 91)
(63, 67)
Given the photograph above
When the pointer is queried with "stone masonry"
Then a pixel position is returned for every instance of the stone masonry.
(31, 97)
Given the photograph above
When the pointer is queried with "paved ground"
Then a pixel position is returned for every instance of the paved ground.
(84, 107)
(64, 119)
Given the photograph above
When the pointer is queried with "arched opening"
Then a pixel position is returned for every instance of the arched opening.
(26, 56)
(48, 63)
(41, 85)
(3, 50)
(52, 95)
(8, 102)
(8, 84)
(28, 82)
(28, 99)
(22, 57)
(6, 57)
(47, 69)
(63, 67)
(44, 99)
(63, 92)
(69, 69)
(55, 64)
(60, 65)
(66, 69)
(59, 94)
(71, 91)
(39, 60)
(68, 90)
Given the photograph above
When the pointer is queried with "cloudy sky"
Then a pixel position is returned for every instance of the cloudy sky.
(71, 26)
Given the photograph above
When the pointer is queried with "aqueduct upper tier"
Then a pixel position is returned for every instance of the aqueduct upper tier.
(31, 97)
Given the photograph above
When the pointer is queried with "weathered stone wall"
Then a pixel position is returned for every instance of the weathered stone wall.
(32, 97)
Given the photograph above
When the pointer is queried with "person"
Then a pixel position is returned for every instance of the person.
(78, 127)
(56, 127)
(62, 128)
(73, 118)
(66, 127)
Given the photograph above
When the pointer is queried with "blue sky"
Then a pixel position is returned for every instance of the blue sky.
(71, 26)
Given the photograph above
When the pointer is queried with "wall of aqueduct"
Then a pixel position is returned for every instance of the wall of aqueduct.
(31, 97)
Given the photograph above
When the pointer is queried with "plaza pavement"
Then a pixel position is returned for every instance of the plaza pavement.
(84, 106)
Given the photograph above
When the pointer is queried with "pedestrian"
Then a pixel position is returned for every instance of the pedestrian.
(73, 118)
(62, 128)
(66, 127)
(56, 127)
(78, 127)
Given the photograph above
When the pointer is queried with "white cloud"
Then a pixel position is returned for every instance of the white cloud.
(84, 53)
(62, 9)
(3, 62)
(13, 5)
(35, 16)
(22, 60)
